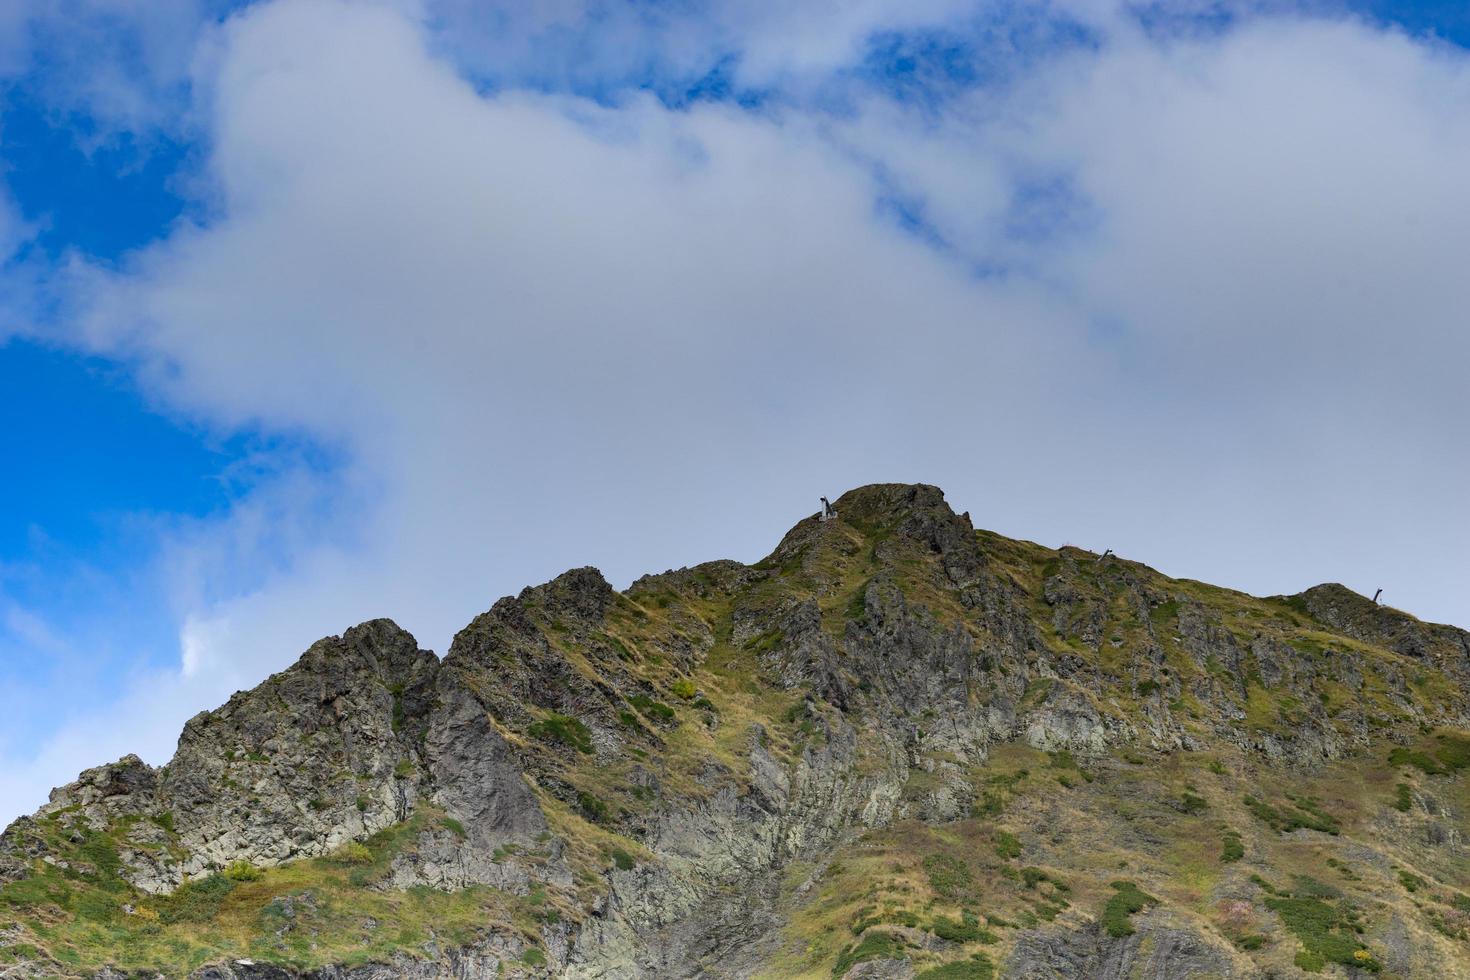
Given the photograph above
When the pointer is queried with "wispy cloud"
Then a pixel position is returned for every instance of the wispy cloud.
(1190, 293)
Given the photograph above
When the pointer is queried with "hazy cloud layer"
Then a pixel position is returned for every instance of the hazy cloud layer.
(1193, 298)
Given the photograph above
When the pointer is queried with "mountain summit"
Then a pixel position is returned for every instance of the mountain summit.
(897, 747)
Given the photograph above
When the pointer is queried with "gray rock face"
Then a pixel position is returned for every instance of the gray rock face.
(495, 958)
(340, 745)
(320, 754)
(473, 773)
(1158, 951)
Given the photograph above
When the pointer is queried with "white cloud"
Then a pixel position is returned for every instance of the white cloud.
(548, 333)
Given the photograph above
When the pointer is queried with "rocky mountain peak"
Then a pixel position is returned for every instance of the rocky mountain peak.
(897, 747)
(1360, 617)
(887, 513)
(579, 594)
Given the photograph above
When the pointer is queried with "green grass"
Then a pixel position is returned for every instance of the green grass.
(651, 709)
(977, 967)
(1326, 933)
(1007, 845)
(593, 808)
(873, 946)
(242, 871)
(966, 930)
(562, 730)
(1231, 848)
(948, 875)
(1192, 803)
(197, 901)
(1284, 818)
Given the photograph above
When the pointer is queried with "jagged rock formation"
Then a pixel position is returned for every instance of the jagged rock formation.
(897, 747)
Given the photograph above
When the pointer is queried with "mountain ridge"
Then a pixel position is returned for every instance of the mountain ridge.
(602, 783)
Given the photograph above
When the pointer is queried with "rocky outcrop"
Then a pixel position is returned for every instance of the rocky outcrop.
(1159, 950)
(1347, 612)
(320, 754)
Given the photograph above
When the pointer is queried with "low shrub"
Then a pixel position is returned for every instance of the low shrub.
(562, 730)
(948, 875)
(353, 853)
(242, 870)
(873, 946)
(967, 930)
(655, 710)
(1127, 900)
(592, 808)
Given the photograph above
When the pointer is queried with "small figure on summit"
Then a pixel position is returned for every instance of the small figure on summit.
(1376, 595)
(827, 511)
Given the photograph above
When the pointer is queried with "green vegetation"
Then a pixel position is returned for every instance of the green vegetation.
(966, 930)
(1117, 913)
(873, 946)
(1450, 756)
(353, 853)
(592, 808)
(621, 859)
(977, 967)
(651, 709)
(1231, 848)
(1403, 801)
(562, 730)
(1306, 813)
(306, 913)
(398, 712)
(1007, 845)
(948, 875)
(196, 901)
(242, 871)
(1327, 933)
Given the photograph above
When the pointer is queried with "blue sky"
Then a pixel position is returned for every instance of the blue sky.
(321, 310)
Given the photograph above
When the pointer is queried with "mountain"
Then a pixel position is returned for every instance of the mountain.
(897, 747)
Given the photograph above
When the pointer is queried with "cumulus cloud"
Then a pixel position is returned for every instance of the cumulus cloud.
(1189, 298)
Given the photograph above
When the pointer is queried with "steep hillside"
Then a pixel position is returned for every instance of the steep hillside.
(897, 747)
